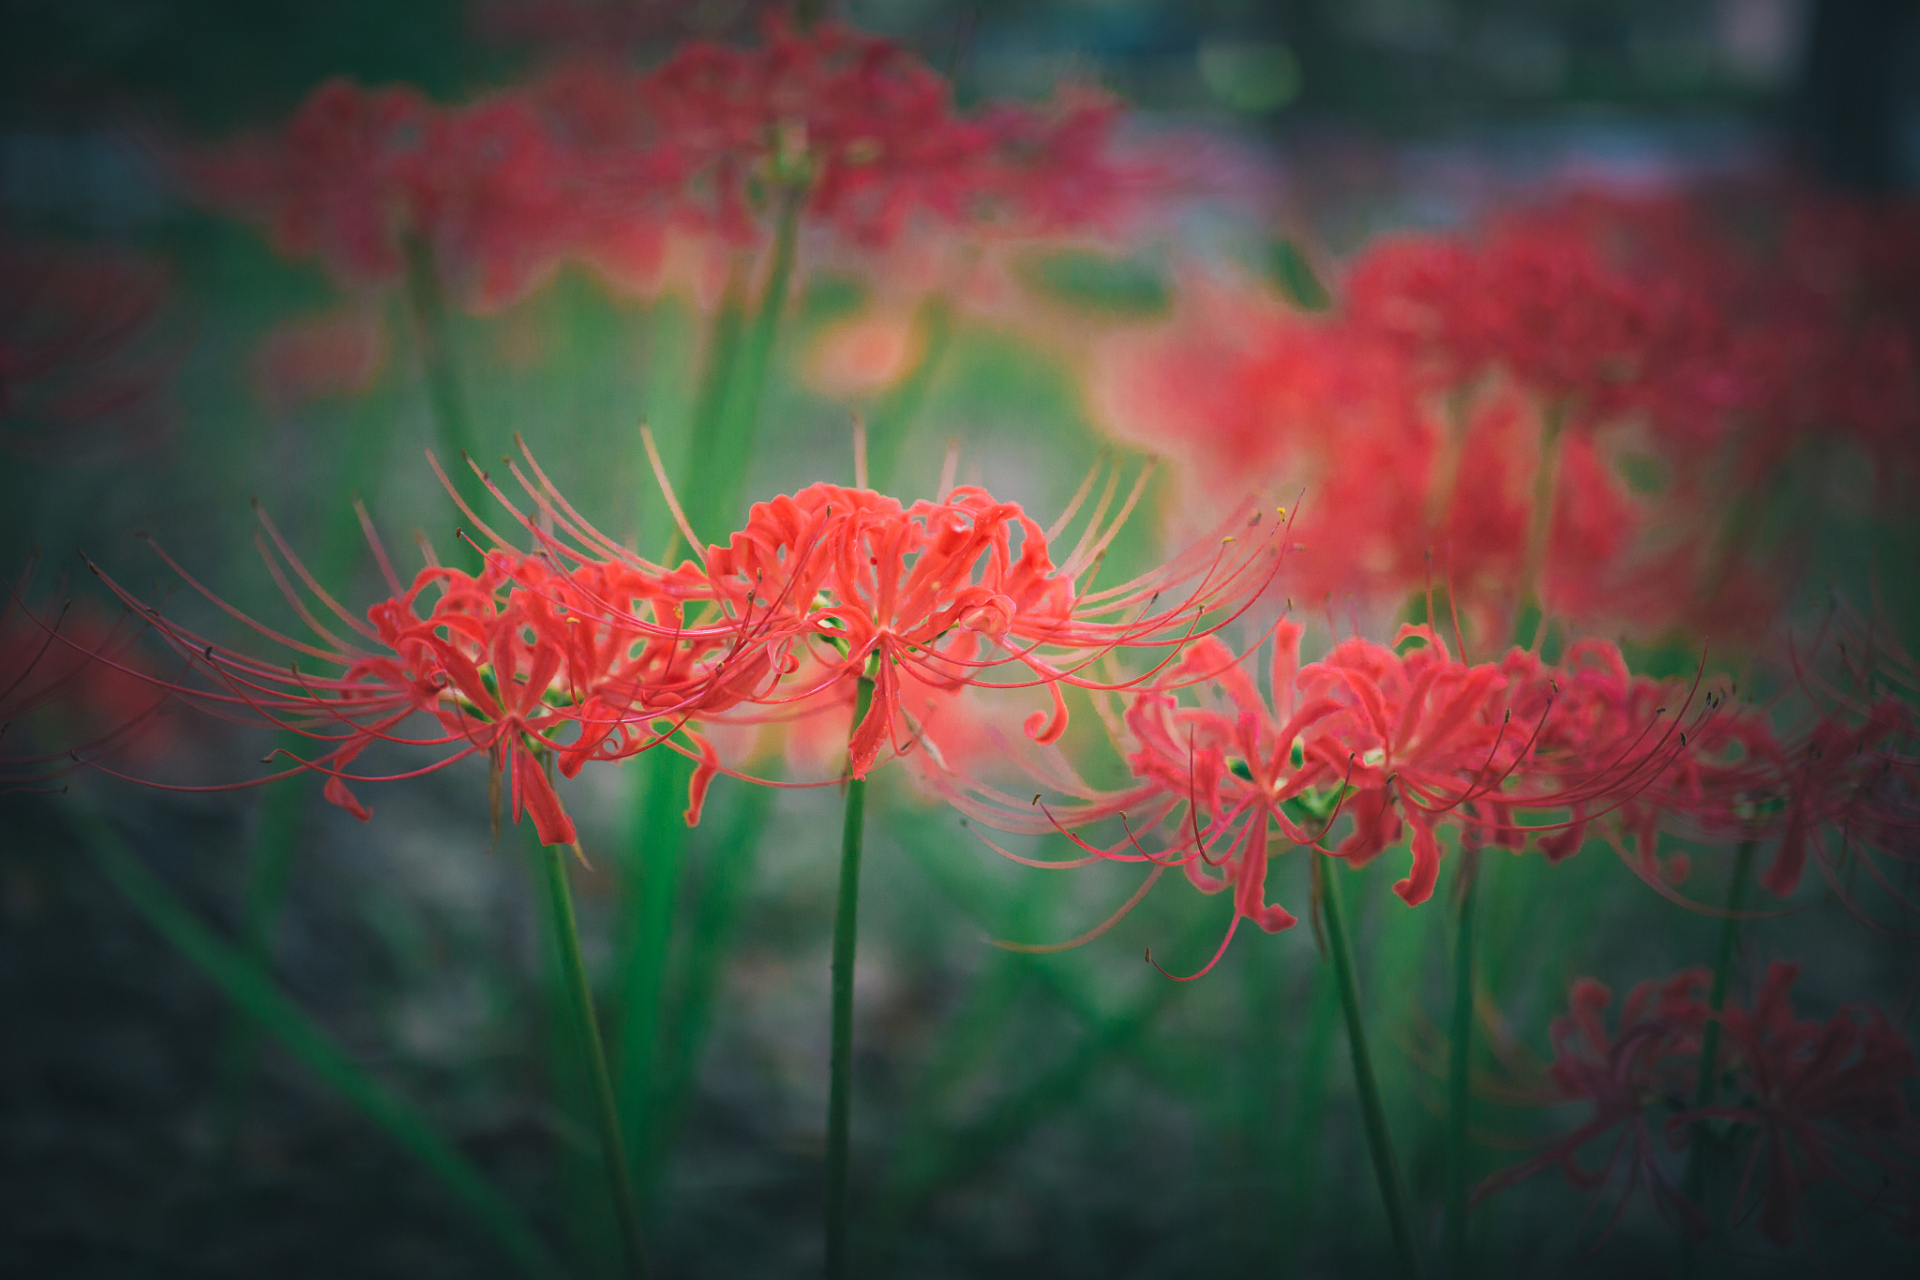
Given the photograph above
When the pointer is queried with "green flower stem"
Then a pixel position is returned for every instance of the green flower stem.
(719, 474)
(730, 871)
(887, 427)
(1546, 472)
(612, 1147)
(1298, 1151)
(846, 928)
(453, 426)
(1386, 1168)
(706, 469)
(652, 895)
(725, 421)
(244, 983)
(1460, 1065)
(269, 867)
(1696, 1171)
(652, 885)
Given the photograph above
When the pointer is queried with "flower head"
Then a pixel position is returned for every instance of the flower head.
(543, 660)
(961, 591)
(1807, 1102)
(1819, 1102)
(1626, 1076)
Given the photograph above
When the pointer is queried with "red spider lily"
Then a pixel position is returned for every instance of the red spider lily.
(1848, 788)
(590, 163)
(1411, 479)
(1402, 744)
(870, 131)
(359, 172)
(1722, 775)
(1837, 772)
(928, 598)
(1709, 771)
(337, 184)
(80, 364)
(1651, 1062)
(1537, 299)
(1679, 347)
(1813, 1102)
(1819, 1103)
(74, 678)
(536, 662)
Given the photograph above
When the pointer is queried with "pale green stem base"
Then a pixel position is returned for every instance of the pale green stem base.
(1460, 1066)
(1386, 1168)
(846, 928)
(453, 426)
(580, 995)
(1695, 1176)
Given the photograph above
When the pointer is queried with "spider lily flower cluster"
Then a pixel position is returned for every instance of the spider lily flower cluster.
(592, 164)
(1407, 740)
(578, 651)
(1596, 401)
(1805, 1104)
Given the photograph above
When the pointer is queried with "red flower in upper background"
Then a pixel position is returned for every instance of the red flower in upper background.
(359, 173)
(1665, 363)
(592, 163)
(337, 184)
(83, 370)
(1404, 481)
(1537, 300)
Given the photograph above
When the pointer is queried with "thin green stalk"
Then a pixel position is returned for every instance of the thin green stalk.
(453, 426)
(846, 928)
(887, 426)
(719, 474)
(248, 987)
(1545, 474)
(653, 896)
(1298, 1150)
(652, 882)
(612, 1147)
(1386, 1169)
(724, 422)
(1460, 1065)
(1696, 1172)
(269, 867)
(732, 859)
(706, 461)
